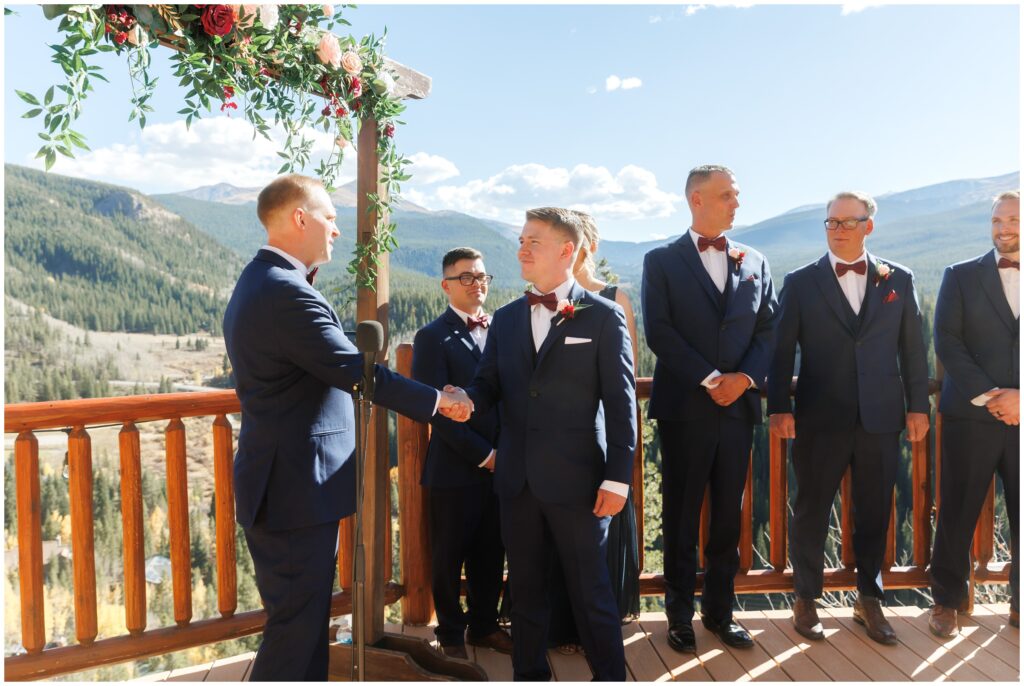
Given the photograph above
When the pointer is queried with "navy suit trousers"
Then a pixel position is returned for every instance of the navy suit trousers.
(972, 451)
(533, 530)
(295, 577)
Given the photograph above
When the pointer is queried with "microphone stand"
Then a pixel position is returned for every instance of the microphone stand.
(363, 410)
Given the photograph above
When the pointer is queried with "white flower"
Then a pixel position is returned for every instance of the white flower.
(389, 82)
(883, 270)
(735, 253)
(562, 304)
(269, 16)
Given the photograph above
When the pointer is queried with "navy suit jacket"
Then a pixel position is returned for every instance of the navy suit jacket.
(873, 367)
(693, 329)
(294, 372)
(567, 411)
(977, 338)
(445, 353)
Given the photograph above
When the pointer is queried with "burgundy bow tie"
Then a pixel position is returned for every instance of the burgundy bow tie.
(857, 268)
(311, 276)
(716, 243)
(549, 301)
(482, 321)
(1005, 263)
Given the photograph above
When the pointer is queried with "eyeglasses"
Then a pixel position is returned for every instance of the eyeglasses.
(467, 278)
(848, 224)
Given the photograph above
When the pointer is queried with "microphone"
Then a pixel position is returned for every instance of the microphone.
(369, 342)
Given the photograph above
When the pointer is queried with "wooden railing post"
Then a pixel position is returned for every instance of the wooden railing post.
(224, 500)
(638, 487)
(134, 531)
(847, 556)
(83, 553)
(30, 541)
(746, 520)
(922, 499)
(984, 533)
(777, 501)
(418, 602)
(890, 537)
(177, 520)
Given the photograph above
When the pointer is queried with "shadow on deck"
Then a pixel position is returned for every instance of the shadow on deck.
(987, 649)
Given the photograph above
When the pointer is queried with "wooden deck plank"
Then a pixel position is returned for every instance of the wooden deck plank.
(497, 665)
(847, 640)
(682, 667)
(155, 676)
(190, 673)
(908, 662)
(939, 656)
(996, 618)
(711, 652)
(569, 667)
(231, 668)
(756, 661)
(996, 643)
(969, 651)
(790, 657)
(822, 653)
(641, 658)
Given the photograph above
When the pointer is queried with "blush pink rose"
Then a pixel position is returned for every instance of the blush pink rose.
(351, 63)
(329, 51)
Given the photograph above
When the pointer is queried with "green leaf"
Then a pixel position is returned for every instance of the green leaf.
(48, 98)
(27, 97)
(32, 113)
(51, 158)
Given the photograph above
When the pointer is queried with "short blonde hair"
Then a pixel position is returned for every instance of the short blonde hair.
(565, 222)
(285, 191)
(590, 236)
(1005, 195)
(868, 201)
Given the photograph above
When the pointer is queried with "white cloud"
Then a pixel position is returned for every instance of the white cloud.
(654, 19)
(632, 193)
(693, 9)
(427, 168)
(591, 90)
(659, 236)
(168, 157)
(613, 83)
(858, 6)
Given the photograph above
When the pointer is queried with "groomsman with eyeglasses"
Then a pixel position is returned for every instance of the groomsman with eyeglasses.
(977, 339)
(863, 376)
(463, 508)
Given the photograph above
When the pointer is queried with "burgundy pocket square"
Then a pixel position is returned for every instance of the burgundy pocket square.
(892, 297)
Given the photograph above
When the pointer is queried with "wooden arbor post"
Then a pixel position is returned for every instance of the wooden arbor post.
(373, 304)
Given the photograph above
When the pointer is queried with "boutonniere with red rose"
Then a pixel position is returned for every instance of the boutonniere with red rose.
(892, 297)
(882, 273)
(569, 308)
(737, 255)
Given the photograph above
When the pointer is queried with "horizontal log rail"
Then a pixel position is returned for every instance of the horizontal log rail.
(92, 650)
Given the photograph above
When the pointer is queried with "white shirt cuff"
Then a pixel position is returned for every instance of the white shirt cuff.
(436, 404)
(706, 383)
(752, 384)
(616, 487)
(493, 452)
(983, 399)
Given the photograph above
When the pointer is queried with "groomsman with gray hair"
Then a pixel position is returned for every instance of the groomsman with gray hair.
(863, 377)
(977, 339)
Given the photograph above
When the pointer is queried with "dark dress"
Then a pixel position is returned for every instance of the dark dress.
(623, 566)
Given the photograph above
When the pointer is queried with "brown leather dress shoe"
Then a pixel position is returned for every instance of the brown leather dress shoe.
(805, 620)
(458, 651)
(1014, 618)
(498, 640)
(867, 611)
(942, 621)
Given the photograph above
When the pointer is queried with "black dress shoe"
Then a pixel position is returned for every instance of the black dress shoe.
(681, 638)
(730, 633)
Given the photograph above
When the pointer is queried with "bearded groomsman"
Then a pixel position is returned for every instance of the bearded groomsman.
(463, 509)
(863, 377)
(709, 308)
(977, 339)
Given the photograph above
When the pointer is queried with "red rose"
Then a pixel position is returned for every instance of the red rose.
(229, 92)
(120, 37)
(326, 111)
(389, 130)
(218, 19)
(357, 105)
(340, 112)
(229, 105)
(355, 88)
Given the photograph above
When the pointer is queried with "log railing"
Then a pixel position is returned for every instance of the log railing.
(139, 641)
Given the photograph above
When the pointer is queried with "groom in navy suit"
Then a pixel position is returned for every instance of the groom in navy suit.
(559, 366)
(293, 472)
(977, 339)
(863, 376)
(709, 309)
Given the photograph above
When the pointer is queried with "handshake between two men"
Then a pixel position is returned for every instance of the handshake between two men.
(455, 404)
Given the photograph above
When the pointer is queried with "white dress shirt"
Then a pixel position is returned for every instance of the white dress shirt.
(852, 284)
(479, 334)
(1010, 278)
(716, 262)
(294, 261)
(540, 322)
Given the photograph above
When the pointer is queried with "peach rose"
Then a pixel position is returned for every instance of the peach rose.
(351, 63)
(328, 11)
(329, 51)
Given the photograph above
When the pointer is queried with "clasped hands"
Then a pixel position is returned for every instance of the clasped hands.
(455, 404)
(728, 388)
(1004, 405)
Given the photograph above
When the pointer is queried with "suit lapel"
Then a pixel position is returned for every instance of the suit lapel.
(558, 325)
(829, 287)
(460, 332)
(874, 293)
(526, 328)
(733, 280)
(691, 257)
(988, 274)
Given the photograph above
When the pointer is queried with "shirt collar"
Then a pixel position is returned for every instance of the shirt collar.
(294, 261)
(561, 291)
(835, 260)
(462, 315)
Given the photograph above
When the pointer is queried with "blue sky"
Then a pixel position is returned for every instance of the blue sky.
(801, 101)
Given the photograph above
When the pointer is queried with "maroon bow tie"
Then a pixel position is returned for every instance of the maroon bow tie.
(482, 321)
(1005, 263)
(857, 268)
(549, 301)
(716, 243)
(311, 276)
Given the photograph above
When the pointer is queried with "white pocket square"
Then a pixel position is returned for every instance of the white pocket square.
(572, 340)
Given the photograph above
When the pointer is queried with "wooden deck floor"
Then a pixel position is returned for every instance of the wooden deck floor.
(987, 649)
